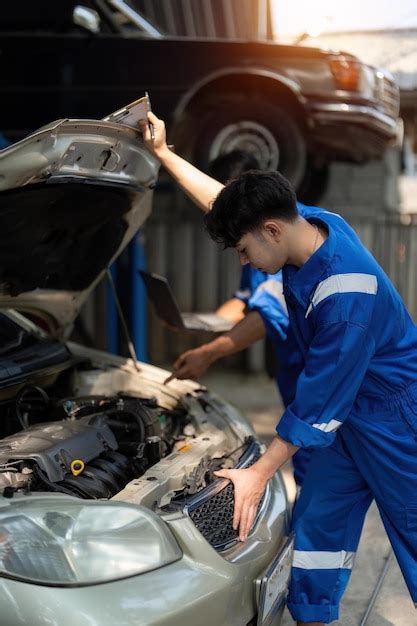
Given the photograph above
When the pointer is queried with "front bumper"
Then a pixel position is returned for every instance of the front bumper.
(353, 131)
(202, 588)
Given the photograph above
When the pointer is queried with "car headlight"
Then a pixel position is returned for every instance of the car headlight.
(70, 542)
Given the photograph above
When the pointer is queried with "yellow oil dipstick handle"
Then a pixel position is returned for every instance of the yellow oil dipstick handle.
(77, 466)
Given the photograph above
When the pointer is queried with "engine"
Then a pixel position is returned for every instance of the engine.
(88, 447)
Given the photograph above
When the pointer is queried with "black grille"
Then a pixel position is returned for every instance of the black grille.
(211, 509)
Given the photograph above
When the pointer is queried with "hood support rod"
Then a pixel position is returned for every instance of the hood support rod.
(130, 345)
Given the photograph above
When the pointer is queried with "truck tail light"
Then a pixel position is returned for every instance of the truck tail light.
(346, 73)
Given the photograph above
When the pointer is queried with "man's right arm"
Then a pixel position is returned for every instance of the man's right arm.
(194, 363)
(201, 188)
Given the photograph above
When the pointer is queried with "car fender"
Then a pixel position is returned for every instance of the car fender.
(281, 80)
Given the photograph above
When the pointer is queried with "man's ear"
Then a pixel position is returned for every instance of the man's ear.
(272, 229)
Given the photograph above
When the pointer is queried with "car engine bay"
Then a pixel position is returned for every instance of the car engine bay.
(90, 447)
(95, 428)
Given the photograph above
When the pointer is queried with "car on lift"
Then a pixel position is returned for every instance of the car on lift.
(109, 509)
(295, 108)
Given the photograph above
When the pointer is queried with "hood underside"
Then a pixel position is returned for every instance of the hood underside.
(72, 195)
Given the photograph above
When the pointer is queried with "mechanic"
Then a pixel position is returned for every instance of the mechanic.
(261, 294)
(356, 398)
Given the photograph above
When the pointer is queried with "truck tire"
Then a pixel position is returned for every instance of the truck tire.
(260, 128)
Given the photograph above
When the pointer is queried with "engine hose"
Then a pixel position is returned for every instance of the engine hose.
(114, 464)
(90, 485)
(108, 473)
(144, 417)
(23, 417)
(130, 413)
(40, 475)
(102, 478)
(119, 425)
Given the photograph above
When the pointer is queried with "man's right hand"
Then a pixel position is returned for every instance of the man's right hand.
(157, 146)
(192, 364)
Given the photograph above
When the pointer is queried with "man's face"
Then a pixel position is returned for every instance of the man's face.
(263, 249)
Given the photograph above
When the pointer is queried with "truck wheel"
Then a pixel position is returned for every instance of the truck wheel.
(260, 128)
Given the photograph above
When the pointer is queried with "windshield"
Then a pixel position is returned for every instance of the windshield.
(76, 17)
(24, 353)
(130, 18)
(13, 337)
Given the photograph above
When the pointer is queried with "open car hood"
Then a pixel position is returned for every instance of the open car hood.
(72, 195)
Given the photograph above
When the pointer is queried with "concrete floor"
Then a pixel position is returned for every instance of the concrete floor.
(257, 397)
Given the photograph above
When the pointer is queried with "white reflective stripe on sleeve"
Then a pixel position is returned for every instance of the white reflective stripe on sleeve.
(323, 560)
(243, 293)
(328, 427)
(343, 283)
(274, 288)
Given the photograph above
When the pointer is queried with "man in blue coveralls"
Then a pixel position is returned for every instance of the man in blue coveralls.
(262, 296)
(356, 398)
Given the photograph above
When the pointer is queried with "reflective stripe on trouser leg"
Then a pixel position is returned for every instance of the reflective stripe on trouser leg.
(328, 520)
(320, 559)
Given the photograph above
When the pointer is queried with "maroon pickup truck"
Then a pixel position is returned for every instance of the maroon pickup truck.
(294, 108)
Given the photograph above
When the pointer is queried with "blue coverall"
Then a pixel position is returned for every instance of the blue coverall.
(264, 293)
(356, 405)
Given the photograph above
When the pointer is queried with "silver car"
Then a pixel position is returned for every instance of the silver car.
(110, 513)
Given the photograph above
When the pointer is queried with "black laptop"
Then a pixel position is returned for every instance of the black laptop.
(166, 307)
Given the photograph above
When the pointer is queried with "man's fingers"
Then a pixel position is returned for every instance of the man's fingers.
(243, 521)
(144, 129)
(168, 380)
(181, 373)
(180, 362)
(183, 367)
(222, 473)
(157, 124)
(193, 362)
(152, 118)
(249, 522)
(246, 521)
(245, 502)
(237, 510)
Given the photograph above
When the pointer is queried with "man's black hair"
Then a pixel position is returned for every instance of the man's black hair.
(230, 165)
(246, 202)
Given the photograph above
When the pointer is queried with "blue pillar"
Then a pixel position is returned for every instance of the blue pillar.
(112, 319)
(138, 316)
